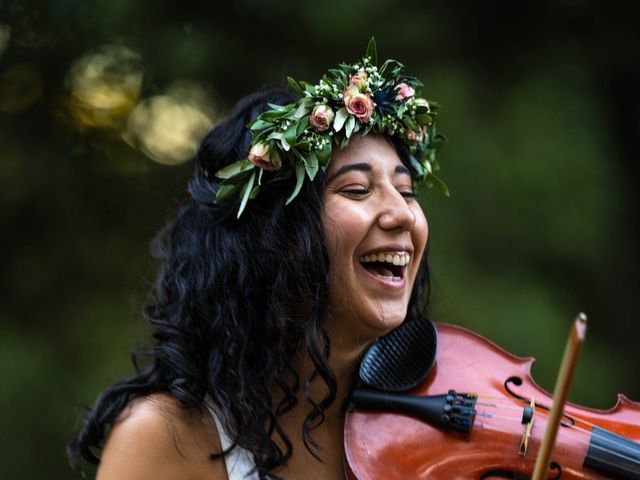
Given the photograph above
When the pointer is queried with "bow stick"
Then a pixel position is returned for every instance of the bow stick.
(561, 390)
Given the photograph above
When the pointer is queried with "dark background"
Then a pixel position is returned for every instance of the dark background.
(102, 102)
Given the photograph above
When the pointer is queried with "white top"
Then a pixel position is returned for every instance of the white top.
(238, 461)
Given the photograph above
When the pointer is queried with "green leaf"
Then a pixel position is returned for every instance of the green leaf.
(255, 191)
(440, 185)
(294, 85)
(291, 134)
(341, 117)
(275, 136)
(417, 166)
(300, 174)
(273, 114)
(226, 191)
(278, 108)
(351, 123)
(411, 124)
(324, 155)
(246, 193)
(303, 108)
(423, 119)
(311, 165)
(302, 125)
(372, 51)
(234, 169)
(261, 171)
(260, 125)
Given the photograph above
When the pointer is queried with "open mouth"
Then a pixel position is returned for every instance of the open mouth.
(388, 265)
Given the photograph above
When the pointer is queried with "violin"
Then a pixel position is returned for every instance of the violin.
(479, 414)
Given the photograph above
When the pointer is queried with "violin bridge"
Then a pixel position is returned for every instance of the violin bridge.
(527, 420)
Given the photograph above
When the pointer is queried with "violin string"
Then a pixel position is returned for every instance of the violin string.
(541, 410)
(573, 429)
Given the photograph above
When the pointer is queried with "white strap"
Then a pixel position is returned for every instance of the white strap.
(238, 461)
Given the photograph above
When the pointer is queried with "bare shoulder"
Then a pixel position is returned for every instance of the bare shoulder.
(154, 438)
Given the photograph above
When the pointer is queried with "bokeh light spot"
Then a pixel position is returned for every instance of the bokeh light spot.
(104, 87)
(167, 127)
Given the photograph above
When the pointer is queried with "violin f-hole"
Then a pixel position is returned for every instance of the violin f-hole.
(553, 467)
(517, 381)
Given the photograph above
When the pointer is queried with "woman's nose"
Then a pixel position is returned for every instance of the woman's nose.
(396, 213)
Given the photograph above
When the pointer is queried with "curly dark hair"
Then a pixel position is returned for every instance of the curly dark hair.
(235, 299)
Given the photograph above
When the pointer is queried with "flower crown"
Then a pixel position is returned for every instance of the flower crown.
(297, 139)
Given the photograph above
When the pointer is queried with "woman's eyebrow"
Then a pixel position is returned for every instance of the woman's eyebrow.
(361, 167)
(402, 169)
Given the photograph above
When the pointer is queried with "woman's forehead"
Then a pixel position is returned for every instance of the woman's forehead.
(375, 151)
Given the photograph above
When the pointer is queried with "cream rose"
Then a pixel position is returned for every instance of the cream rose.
(321, 117)
(259, 155)
(359, 80)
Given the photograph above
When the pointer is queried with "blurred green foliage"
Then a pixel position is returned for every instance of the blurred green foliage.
(540, 104)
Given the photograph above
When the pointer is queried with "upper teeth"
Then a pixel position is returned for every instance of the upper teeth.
(396, 258)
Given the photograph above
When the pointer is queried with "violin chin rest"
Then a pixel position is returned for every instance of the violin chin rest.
(401, 359)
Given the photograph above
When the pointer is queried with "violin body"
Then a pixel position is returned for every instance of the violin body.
(387, 445)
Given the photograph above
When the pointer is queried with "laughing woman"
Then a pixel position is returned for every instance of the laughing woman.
(301, 244)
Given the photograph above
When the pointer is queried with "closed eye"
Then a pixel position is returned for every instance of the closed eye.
(409, 194)
(356, 191)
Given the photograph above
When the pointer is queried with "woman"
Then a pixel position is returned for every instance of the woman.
(302, 243)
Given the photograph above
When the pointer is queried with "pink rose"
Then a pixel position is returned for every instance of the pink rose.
(321, 117)
(404, 91)
(359, 80)
(359, 105)
(415, 137)
(259, 155)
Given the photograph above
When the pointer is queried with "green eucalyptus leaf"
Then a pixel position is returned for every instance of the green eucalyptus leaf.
(303, 109)
(302, 125)
(324, 154)
(278, 108)
(372, 51)
(246, 193)
(300, 174)
(291, 134)
(440, 185)
(275, 136)
(295, 86)
(341, 117)
(226, 191)
(234, 169)
(408, 121)
(261, 125)
(417, 166)
(351, 123)
(273, 115)
(423, 119)
(311, 165)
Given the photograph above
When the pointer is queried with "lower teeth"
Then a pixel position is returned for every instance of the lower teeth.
(391, 277)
